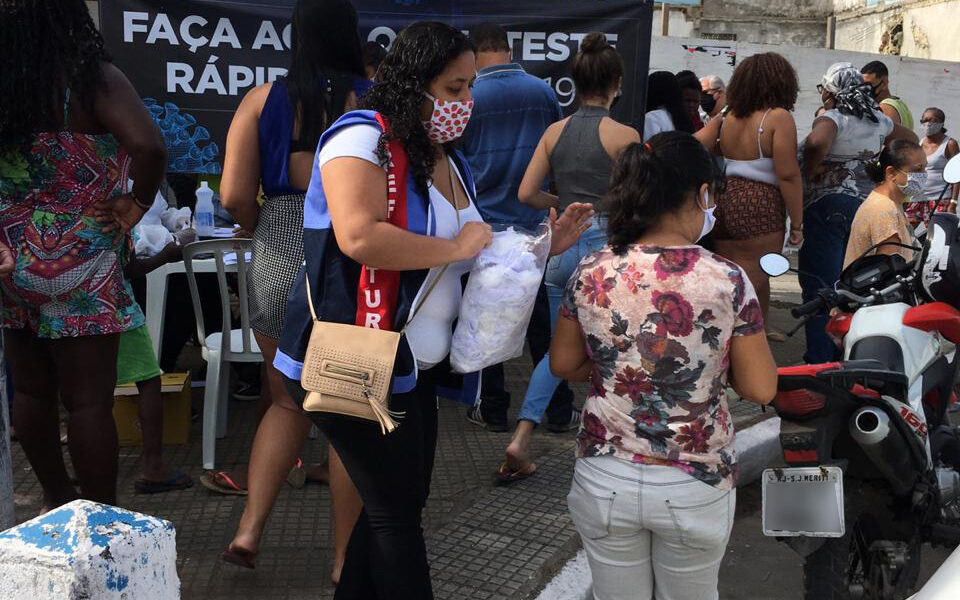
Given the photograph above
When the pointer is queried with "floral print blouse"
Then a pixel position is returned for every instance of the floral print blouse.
(658, 323)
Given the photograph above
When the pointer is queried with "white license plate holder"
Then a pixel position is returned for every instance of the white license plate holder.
(803, 501)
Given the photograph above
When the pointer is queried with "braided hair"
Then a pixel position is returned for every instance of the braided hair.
(45, 47)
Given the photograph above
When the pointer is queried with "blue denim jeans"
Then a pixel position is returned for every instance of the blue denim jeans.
(559, 269)
(826, 226)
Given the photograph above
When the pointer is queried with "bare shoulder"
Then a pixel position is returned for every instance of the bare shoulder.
(255, 98)
(628, 133)
(781, 117)
(616, 136)
(112, 75)
(552, 134)
(554, 130)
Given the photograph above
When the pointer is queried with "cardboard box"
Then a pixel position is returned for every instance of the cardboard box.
(176, 391)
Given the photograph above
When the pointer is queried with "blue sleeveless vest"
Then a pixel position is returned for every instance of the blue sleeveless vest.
(334, 278)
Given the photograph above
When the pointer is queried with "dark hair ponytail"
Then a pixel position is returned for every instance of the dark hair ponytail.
(652, 180)
(896, 155)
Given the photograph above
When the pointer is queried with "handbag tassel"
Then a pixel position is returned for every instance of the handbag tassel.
(384, 417)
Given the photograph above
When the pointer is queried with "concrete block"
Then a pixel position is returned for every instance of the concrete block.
(84, 550)
(756, 447)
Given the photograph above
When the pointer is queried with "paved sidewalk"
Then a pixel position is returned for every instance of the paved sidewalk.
(485, 543)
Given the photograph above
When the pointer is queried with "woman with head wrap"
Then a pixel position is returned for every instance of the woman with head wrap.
(850, 133)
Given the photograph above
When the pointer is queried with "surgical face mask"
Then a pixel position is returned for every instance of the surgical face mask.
(448, 120)
(708, 219)
(913, 189)
(931, 128)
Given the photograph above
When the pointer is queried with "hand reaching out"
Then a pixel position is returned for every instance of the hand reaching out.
(569, 226)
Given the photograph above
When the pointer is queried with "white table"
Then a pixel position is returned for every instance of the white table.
(157, 294)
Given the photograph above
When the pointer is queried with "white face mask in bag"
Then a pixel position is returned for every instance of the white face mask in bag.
(709, 220)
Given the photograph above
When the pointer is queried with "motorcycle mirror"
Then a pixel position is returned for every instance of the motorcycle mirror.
(951, 172)
(774, 264)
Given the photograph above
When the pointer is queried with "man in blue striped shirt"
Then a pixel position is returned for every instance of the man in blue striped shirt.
(511, 111)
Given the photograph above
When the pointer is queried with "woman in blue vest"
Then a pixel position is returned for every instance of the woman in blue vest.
(423, 101)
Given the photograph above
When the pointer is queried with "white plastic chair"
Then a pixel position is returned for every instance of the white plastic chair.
(220, 350)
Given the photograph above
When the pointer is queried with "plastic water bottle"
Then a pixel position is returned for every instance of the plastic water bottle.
(203, 215)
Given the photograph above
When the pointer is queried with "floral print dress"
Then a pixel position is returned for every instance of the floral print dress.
(68, 280)
(658, 323)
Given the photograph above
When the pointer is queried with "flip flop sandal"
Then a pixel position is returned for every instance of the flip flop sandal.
(778, 337)
(505, 475)
(297, 477)
(221, 483)
(180, 481)
(239, 557)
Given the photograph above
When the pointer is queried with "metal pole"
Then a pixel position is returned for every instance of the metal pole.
(831, 32)
(7, 517)
(664, 19)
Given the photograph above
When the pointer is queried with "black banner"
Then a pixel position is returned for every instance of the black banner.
(193, 60)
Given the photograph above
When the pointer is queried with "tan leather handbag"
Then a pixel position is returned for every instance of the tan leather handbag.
(348, 369)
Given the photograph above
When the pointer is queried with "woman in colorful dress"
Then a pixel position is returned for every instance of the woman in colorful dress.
(74, 134)
(659, 326)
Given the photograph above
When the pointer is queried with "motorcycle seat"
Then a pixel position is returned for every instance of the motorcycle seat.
(936, 316)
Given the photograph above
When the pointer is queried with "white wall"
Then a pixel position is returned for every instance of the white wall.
(921, 83)
(932, 31)
(929, 27)
(680, 23)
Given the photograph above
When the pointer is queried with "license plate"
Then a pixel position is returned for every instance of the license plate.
(806, 501)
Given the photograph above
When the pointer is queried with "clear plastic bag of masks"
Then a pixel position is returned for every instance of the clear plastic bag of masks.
(499, 298)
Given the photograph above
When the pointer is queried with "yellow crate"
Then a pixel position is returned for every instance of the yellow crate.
(176, 391)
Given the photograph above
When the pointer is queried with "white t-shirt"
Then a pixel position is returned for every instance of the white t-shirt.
(657, 121)
(857, 141)
(429, 334)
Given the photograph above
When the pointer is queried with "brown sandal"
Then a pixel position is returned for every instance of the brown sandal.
(221, 483)
(239, 557)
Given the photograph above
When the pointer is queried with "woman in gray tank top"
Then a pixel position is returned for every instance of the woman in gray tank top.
(579, 153)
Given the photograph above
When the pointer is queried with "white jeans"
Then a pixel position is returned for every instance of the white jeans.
(650, 531)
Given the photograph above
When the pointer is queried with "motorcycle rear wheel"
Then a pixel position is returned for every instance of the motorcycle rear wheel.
(826, 572)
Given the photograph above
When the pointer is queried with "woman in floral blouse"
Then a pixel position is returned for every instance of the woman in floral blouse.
(659, 326)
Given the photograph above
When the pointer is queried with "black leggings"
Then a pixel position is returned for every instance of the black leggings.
(387, 557)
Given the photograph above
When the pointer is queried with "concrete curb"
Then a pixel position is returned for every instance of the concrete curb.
(756, 446)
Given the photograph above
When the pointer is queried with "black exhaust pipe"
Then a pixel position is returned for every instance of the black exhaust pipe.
(885, 447)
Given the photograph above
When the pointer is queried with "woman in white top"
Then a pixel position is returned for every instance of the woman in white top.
(850, 133)
(939, 148)
(665, 109)
(390, 208)
(757, 137)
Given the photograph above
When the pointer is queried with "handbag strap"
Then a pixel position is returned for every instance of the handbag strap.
(433, 284)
